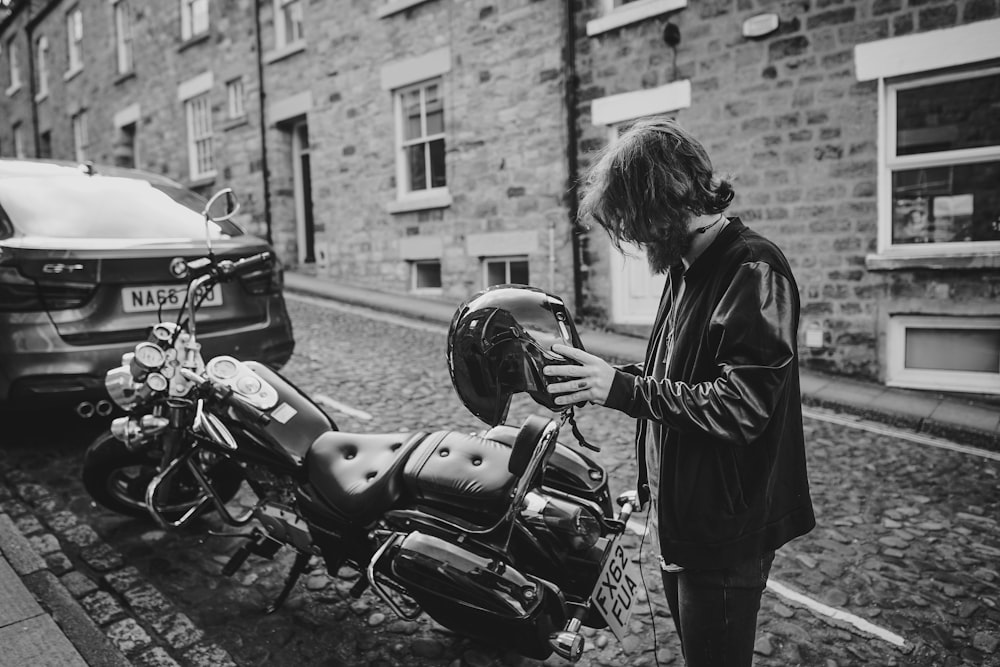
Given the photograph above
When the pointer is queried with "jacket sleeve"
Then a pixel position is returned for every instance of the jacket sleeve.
(752, 334)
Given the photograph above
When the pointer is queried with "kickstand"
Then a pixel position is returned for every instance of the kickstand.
(298, 567)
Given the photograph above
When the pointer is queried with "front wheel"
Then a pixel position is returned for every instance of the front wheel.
(116, 477)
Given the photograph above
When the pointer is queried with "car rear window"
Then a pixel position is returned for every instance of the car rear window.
(104, 207)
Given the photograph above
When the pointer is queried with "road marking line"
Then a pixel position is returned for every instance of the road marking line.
(639, 528)
(838, 614)
(340, 407)
(917, 438)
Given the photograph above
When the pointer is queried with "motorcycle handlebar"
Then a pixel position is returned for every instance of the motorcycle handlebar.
(225, 395)
(227, 268)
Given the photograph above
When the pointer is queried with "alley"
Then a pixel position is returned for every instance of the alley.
(901, 569)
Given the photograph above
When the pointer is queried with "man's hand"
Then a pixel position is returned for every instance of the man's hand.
(588, 380)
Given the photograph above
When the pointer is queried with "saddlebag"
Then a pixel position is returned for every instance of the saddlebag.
(477, 595)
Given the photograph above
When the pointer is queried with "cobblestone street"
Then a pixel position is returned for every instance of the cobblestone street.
(902, 568)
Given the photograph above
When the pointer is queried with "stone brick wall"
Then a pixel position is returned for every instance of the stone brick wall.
(786, 117)
(506, 138)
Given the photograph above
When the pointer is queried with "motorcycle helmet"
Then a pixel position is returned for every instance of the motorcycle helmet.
(498, 343)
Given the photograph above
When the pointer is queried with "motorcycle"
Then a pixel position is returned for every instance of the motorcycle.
(507, 535)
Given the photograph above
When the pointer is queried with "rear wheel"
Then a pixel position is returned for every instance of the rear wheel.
(116, 477)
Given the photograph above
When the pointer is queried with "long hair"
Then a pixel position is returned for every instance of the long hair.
(655, 175)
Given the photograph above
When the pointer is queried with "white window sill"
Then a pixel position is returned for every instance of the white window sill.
(201, 180)
(396, 6)
(12, 90)
(900, 261)
(423, 202)
(632, 13)
(284, 51)
(72, 73)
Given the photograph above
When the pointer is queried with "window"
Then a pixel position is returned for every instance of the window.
(505, 271)
(194, 18)
(201, 157)
(617, 13)
(421, 137)
(125, 150)
(287, 22)
(942, 160)
(939, 157)
(123, 36)
(45, 144)
(42, 67)
(235, 97)
(79, 122)
(18, 140)
(425, 275)
(74, 40)
(945, 353)
(13, 70)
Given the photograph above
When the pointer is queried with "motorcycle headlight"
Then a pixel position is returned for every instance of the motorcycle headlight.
(121, 387)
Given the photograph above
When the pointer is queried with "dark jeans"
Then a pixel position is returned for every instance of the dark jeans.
(715, 611)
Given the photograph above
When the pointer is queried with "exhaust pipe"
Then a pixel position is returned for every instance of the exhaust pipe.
(85, 409)
(104, 408)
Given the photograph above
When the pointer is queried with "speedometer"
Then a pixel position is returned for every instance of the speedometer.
(149, 356)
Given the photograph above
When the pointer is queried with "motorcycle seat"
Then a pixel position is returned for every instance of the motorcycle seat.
(464, 474)
(359, 474)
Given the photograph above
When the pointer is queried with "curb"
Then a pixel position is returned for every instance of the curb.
(106, 609)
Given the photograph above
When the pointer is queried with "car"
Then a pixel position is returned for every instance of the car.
(85, 271)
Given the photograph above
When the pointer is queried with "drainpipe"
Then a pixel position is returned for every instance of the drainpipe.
(29, 32)
(261, 97)
(572, 149)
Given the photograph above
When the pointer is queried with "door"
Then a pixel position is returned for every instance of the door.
(305, 226)
(635, 290)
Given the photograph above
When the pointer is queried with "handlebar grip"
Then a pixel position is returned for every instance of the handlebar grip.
(245, 410)
(260, 260)
(226, 396)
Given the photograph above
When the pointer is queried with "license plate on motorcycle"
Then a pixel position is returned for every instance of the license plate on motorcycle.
(616, 589)
(148, 298)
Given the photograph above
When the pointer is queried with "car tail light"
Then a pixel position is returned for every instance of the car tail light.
(18, 293)
(266, 281)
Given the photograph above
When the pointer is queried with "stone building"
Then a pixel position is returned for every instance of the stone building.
(434, 146)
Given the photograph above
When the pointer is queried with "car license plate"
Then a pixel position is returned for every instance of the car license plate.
(149, 298)
(616, 589)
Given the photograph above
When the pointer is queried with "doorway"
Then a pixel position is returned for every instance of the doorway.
(302, 176)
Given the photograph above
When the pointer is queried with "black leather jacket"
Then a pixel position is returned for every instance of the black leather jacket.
(725, 416)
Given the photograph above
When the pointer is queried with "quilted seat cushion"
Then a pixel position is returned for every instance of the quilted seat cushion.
(462, 473)
(359, 474)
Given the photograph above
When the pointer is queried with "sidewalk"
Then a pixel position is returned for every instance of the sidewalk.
(967, 421)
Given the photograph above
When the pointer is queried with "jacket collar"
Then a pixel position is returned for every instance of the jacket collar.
(707, 260)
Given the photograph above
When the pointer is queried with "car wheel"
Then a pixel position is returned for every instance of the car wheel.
(116, 478)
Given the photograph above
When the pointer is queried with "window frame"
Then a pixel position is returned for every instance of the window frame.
(235, 103)
(13, 66)
(122, 23)
(74, 41)
(42, 67)
(890, 162)
(403, 191)
(80, 132)
(280, 26)
(198, 136)
(612, 15)
(17, 130)
(898, 375)
(507, 261)
(188, 16)
(414, 263)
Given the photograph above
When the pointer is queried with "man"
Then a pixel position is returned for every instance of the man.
(719, 419)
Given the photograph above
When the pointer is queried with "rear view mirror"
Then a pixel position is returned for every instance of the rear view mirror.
(222, 206)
